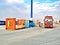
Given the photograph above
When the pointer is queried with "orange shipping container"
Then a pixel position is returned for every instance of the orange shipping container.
(21, 22)
(10, 23)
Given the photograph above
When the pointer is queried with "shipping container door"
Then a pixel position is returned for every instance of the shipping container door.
(11, 24)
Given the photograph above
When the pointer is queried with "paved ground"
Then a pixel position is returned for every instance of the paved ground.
(30, 36)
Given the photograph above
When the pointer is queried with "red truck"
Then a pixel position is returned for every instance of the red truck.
(48, 22)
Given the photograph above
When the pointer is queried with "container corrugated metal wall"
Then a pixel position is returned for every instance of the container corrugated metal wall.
(10, 23)
(27, 23)
(21, 23)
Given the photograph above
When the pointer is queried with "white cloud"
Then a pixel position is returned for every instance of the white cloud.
(42, 9)
(46, 6)
(14, 11)
(14, 1)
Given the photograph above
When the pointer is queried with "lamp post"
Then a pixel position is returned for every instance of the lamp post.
(31, 9)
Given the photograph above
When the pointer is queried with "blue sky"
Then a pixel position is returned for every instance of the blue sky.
(20, 9)
(46, 1)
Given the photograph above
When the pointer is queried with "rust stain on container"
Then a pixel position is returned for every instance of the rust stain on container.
(10, 23)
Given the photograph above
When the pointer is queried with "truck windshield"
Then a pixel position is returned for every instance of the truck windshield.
(48, 20)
